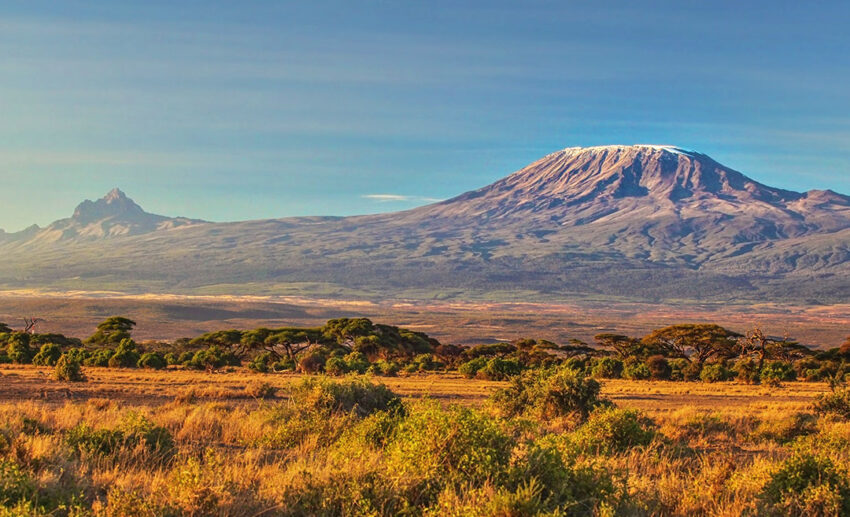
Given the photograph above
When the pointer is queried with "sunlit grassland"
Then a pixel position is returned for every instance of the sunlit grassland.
(177, 442)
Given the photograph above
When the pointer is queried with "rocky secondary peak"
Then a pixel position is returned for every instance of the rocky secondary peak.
(114, 204)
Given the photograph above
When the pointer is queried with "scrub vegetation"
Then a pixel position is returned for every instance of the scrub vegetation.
(357, 418)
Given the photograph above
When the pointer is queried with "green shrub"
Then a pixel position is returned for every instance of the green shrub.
(683, 370)
(636, 371)
(836, 404)
(84, 439)
(15, 485)
(775, 372)
(134, 430)
(808, 484)
(426, 363)
(384, 368)
(212, 358)
(715, 372)
(138, 429)
(433, 448)
(126, 355)
(152, 360)
(566, 487)
(746, 370)
(185, 358)
(19, 350)
(609, 430)
(549, 393)
(659, 368)
(785, 429)
(336, 366)
(498, 369)
(607, 368)
(470, 369)
(285, 364)
(68, 369)
(99, 357)
(47, 355)
(260, 390)
(354, 395)
(356, 362)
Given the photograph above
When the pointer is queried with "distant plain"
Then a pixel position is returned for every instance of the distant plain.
(167, 317)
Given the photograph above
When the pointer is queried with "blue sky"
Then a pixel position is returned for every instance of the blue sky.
(226, 110)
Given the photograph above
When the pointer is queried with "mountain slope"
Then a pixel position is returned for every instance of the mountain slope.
(637, 222)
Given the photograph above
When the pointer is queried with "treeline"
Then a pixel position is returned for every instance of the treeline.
(686, 352)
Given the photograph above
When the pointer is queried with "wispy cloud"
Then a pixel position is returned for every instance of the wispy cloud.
(399, 198)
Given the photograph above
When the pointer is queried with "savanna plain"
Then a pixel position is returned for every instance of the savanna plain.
(242, 443)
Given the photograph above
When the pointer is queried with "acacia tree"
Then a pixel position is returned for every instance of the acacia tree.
(694, 342)
(112, 331)
(289, 341)
(230, 339)
(757, 344)
(623, 346)
(5, 329)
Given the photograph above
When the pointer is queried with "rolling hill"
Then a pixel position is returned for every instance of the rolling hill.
(639, 222)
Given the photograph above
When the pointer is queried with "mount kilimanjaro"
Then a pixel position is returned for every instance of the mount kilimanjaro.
(643, 223)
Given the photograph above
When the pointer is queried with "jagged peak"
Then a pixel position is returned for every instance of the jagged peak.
(115, 194)
(114, 203)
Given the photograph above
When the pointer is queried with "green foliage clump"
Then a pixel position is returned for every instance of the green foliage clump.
(610, 430)
(659, 368)
(99, 357)
(433, 448)
(715, 372)
(607, 368)
(260, 390)
(355, 362)
(112, 331)
(18, 348)
(15, 485)
(47, 355)
(134, 430)
(262, 362)
(423, 363)
(808, 484)
(498, 369)
(384, 368)
(683, 370)
(470, 369)
(490, 350)
(836, 403)
(126, 355)
(152, 360)
(776, 372)
(68, 369)
(747, 371)
(549, 393)
(353, 395)
(785, 429)
(212, 358)
(636, 371)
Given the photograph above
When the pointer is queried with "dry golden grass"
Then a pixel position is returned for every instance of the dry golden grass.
(151, 387)
(716, 447)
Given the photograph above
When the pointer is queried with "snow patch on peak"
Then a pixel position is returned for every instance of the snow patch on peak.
(608, 148)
